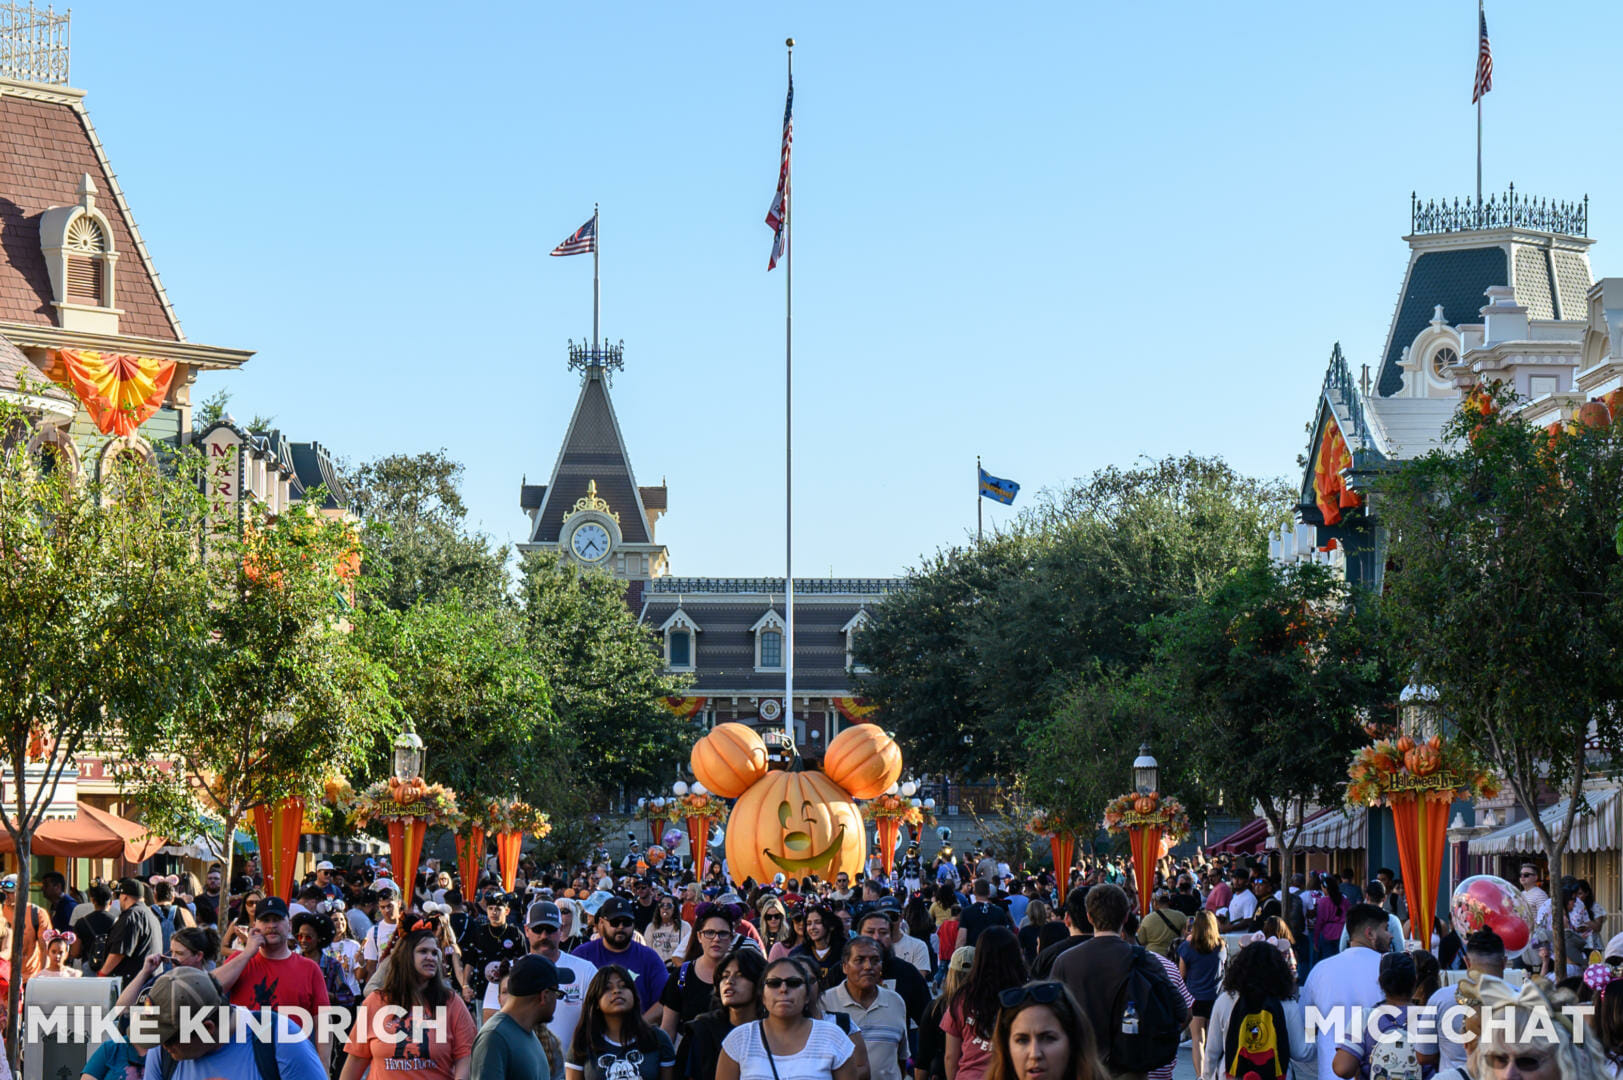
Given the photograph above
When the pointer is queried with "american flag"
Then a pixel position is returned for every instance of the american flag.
(583, 241)
(779, 213)
(1484, 60)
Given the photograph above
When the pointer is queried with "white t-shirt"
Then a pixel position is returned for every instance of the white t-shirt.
(1337, 984)
(570, 996)
(914, 951)
(377, 939)
(1450, 1051)
(348, 954)
(1243, 906)
(827, 1048)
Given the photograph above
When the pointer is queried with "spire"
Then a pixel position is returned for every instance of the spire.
(593, 465)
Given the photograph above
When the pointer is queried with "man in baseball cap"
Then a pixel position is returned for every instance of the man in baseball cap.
(543, 923)
(616, 923)
(188, 1019)
(507, 1048)
(269, 973)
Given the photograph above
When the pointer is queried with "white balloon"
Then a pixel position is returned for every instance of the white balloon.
(914, 802)
(910, 789)
(929, 804)
(642, 802)
(679, 788)
(698, 789)
(658, 803)
(892, 789)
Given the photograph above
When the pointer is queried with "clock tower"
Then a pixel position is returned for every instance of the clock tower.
(592, 509)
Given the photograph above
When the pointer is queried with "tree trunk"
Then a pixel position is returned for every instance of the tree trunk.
(24, 840)
(229, 854)
(1556, 853)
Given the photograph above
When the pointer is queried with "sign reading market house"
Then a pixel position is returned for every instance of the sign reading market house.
(224, 475)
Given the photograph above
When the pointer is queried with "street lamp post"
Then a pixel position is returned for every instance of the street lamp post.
(408, 754)
(1146, 771)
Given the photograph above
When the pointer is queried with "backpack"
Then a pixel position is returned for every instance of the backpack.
(166, 920)
(265, 1062)
(95, 941)
(1394, 1058)
(1256, 1043)
(1152, 1013)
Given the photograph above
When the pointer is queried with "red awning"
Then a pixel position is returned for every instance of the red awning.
(94, 834)
(1246, 840)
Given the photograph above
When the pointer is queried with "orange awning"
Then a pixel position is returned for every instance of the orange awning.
(95, 834)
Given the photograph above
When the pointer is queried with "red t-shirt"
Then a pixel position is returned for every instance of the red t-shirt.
(974, 1052)
(947, 939)
(291, 982)
(432, 1058)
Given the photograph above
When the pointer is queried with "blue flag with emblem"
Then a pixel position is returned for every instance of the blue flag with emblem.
(998, 490)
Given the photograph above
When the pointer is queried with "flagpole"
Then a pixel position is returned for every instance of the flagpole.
(597, 287)
(789, 447)
(1480, 15)
(978, 499)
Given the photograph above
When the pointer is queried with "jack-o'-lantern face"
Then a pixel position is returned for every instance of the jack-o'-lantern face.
(795, 823)
(799, 854)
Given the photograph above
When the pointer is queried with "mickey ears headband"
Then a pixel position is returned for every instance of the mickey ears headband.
(1599, 976)
(157, 879)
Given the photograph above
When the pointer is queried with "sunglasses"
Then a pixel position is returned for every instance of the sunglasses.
(792, 982)
(773, 916)
(621, 924)
(1043, 993)
(1525, 1063)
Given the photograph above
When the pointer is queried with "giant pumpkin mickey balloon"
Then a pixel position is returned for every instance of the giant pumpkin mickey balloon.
(793, 821)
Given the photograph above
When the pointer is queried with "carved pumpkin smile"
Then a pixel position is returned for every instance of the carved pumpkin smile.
(795, 842)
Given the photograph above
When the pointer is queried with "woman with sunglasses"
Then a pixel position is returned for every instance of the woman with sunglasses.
(775, 926)
(236, 935)
(612, 1040)
(688, 992)
(737, 1002)
(786, 1043)
(823, 944)
(1043, 1034)
(668, 935)
(971, 1016)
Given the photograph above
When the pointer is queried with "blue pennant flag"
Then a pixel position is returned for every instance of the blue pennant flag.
(997, 490)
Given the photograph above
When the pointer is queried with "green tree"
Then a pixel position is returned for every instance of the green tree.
(987, 637)
(464, 674)
(1506, 590)
(605, 673)
(101, 603)
(422, 549)
(281, 694)
(1274, 673)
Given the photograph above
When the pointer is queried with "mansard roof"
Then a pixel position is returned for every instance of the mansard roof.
(593, 450)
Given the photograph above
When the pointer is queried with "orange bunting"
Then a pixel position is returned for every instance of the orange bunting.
(683, 707)
(855, 709)
(1330, 490)
(120, 392)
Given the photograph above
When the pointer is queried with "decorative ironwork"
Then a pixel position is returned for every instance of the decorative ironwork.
(1509, 211)
(768, 586)
(604, 359)
(590, 502)
(34, 44)
(1343, 391)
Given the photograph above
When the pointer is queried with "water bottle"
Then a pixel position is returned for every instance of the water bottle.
(1129, 1019)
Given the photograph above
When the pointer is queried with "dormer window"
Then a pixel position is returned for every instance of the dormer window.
(1441, 361)
(854, 626)
(769, 631)
(77, 242)
(680, 641)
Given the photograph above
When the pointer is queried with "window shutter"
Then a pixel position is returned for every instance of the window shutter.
(84, 279)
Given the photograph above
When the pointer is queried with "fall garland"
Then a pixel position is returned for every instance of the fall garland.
(893, 807)
(1135, 811)
(1434, 768)
(692, 804)
(1051, 823)
(514, 816)
(657, 810)
(406, 800)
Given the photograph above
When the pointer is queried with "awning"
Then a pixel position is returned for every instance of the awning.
(1246, 840)
(316, 844)
(1596, 830)
(1330, 830)
(94, 834)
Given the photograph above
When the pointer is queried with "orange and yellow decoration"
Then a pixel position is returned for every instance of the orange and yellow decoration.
(1418, 780)
(1330, 490)
(120, 392)
(855, 709)
(1061, 834)
(888, 813)
(277, 830)
(683, 708)
(1152, 824)
(408, 808)
(508, 820)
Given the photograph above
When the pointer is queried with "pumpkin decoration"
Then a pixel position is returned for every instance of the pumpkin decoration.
(1435, 742)
(1423, 760)
(863, 760)
(1594, 414)
(730, 759)
(1144, 804)
(1405, 744)
(797, 821)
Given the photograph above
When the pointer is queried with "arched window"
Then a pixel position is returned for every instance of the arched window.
(85, 248)
(1441, 361)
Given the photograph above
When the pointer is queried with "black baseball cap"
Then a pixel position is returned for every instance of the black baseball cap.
(532, 974)
(544, 913)
(272, 907)
(616, 907)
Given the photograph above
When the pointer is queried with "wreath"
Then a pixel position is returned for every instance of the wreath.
(406, 800)
(1135, 811)
(515, 816)
(1435, 768)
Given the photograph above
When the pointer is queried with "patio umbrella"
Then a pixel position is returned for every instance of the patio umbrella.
(94, 834)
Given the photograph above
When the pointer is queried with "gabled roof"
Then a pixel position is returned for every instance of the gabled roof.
(46, 145)
(593, 450)
(724, 655)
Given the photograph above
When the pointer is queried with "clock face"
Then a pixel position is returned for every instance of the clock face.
(590, 542)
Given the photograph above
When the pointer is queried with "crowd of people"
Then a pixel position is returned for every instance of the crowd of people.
(961, 970)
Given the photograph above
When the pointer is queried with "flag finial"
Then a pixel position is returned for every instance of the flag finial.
(789, 42)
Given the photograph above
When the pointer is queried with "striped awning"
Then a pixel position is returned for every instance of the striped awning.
(1330, 830)
(341, 845)
(1595, 830)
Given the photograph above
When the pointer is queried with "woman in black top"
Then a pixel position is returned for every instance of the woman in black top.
(691, 988)
(823, 944)
(737, 1001)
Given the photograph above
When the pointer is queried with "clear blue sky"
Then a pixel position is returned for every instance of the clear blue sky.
(1062, 236)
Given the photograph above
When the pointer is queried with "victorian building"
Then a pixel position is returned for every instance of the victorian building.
(728, 634)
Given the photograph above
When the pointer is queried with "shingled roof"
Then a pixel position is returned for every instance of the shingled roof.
(593, 450)
(46, 145)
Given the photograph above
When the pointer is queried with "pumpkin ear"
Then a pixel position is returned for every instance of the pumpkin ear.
(863, 760)
(729, 760)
